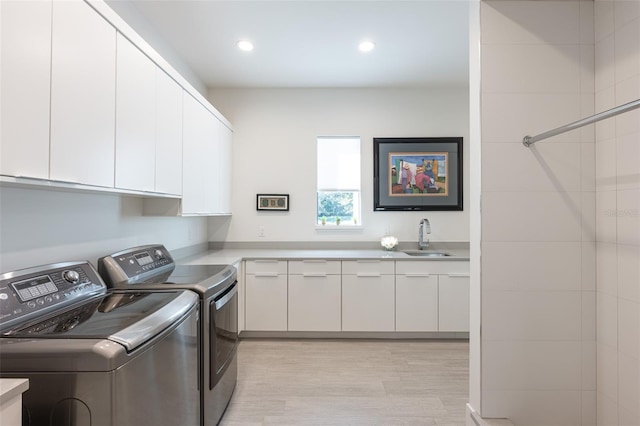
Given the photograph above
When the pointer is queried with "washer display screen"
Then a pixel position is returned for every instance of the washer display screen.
(143, 258)
(34, 287)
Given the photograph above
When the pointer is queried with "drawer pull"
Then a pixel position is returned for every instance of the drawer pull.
(458, 275)
(311, 274)
(417, 275)
(265, 261)
(368, 275)
(314, 261)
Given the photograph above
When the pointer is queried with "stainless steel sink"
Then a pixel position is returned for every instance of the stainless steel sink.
(427, 253)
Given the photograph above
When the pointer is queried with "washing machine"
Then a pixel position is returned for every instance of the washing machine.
(95, 356)
(153, 267)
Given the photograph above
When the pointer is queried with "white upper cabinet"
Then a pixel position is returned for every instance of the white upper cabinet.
(224, 167)
(135, 118)
(87, 104)
(25, 66)
(148, 124)
(83, 91)
(168, 134)
(199, 175)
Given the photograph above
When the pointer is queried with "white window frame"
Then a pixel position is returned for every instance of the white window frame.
(354, 187)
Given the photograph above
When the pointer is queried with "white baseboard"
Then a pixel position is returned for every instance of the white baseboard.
(474, 419)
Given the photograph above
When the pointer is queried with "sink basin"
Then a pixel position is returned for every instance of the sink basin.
(427, 253)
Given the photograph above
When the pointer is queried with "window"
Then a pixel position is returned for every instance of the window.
(338, 181)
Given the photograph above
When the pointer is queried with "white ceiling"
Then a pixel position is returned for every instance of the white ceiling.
(313, 43)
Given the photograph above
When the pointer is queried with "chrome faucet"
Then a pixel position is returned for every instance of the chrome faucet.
(424, 227)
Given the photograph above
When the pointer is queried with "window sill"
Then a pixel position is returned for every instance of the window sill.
(339, 227)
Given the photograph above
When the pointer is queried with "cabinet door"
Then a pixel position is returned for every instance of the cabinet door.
(135, 118)
(417, 302)
(168, 134)
(368, 267)
(314, 302)
(266, 302)
(224, 167)
(453, 302)
(25, 66)
(83, 91)
(198, 172)
(367, 303)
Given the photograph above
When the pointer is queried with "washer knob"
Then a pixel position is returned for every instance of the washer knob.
(159, 254)
(71, 276)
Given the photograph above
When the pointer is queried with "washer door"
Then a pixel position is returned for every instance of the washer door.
(128, 318)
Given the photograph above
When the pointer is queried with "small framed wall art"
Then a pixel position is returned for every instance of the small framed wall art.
(273, 202)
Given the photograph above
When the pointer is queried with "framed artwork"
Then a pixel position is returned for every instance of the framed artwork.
(417, 174)
(277, 202)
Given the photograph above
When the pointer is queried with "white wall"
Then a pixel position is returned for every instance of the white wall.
(617, 81)
(274, 151)
(38, 227)
(138, 22)
(538, 239)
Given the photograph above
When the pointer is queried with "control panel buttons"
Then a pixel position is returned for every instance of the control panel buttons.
(71, 276)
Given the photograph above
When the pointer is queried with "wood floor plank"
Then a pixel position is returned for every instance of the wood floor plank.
(350, 382)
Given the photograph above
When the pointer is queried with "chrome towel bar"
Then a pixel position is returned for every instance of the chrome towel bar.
(530, 140)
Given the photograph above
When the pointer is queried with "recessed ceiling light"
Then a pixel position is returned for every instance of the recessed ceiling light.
(366, 46)
(244, 45)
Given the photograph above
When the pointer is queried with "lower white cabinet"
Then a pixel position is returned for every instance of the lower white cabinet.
(320, 295)
(417, 302)
(314, 303)
(453, 302)
(368, 294)
(432, 296)
(266, 295)
(315, 297)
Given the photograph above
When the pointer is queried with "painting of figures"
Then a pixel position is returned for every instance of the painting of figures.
(414, 173)
(421, 173)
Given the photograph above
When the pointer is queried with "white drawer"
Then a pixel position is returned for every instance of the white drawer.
(368, 267)
(432, 267)
(317, 267)
(266, 267)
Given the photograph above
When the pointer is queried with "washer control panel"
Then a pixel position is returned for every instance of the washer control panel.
(134, 265)
(33, 292)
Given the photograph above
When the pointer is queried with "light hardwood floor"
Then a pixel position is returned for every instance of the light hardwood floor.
(350, 382)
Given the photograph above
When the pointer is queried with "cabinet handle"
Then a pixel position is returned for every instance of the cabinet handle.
(265, 261)
(266, 274)
(368, 275)
(367, 261)
(311, 274)
(417, 275)
(458, 275)
(314, 261)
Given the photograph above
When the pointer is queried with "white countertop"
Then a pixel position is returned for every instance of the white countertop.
(10, 388)
(232, 256)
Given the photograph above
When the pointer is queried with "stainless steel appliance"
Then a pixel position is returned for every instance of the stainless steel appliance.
(95, 357)
(152, 267)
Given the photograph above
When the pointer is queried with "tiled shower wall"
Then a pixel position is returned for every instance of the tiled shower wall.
(617, 81)
(538, 350)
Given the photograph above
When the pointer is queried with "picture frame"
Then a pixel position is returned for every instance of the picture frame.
(272, 202)
(412, 174)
